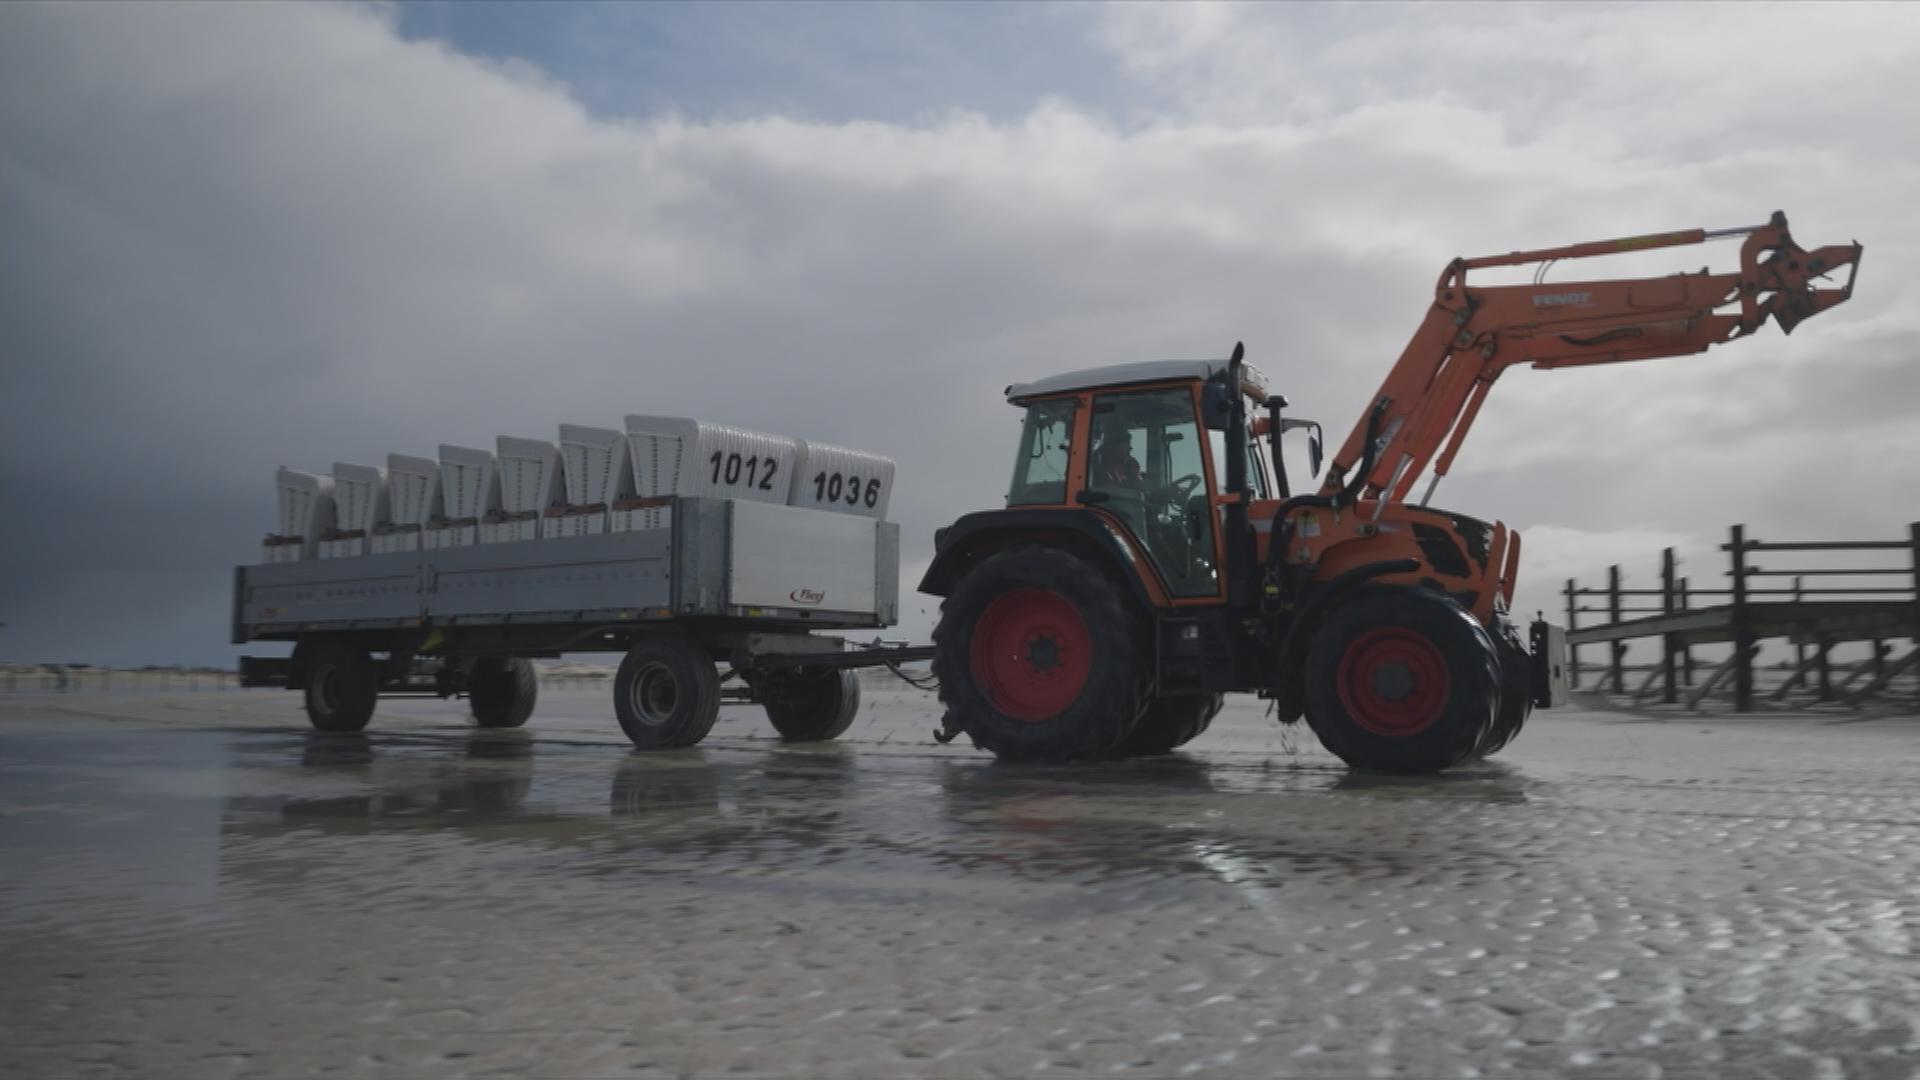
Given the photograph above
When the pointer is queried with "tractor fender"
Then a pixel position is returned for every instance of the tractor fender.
(974, 537)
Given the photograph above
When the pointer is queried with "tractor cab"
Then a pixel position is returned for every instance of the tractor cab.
(1145, 444)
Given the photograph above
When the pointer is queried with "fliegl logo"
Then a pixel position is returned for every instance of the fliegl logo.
(806, 596)
(1564, 299)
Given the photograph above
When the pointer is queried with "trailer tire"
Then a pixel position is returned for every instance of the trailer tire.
(342, 684)
(810, 706)
(1170, 723)
(1402, 680)
(1080, 686)
(501, 691)
(1516, 686)
(666, 694)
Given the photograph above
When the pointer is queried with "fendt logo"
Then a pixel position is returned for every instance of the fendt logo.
(806, 596)
(1564, 299)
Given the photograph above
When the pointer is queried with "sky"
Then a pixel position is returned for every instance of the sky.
(234, 237)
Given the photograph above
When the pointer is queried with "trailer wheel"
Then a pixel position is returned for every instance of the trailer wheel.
(666, 694)
(501, 691)
(1402, 681)
(1170, 723)
(810, 706)
(1039, 659)
(342, 685)
(1516, 686)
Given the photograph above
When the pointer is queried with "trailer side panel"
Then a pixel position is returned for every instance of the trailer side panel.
(368, 590)
(550, 580)
(790, 557)
(715, 559)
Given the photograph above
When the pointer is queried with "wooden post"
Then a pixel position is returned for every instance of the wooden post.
(1686, 651)
(1616, 671)
(1799, 649)
(1826, 668)
(1913, 537)
(1742, 630)
(1573, 623)
(1668, 642)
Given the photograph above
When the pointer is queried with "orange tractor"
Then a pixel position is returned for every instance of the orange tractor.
(1148, 560)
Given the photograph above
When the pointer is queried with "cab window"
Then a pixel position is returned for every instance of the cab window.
(1256, 465)
(1040, 472)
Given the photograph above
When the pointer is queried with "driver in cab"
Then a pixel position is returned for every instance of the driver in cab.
(1113, 462)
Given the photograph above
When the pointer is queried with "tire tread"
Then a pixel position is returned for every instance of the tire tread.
(501, 692)
(698, 691)
(1472, 666)
(1107, 710)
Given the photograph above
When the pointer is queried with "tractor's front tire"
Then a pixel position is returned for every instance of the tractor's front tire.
(1402, 680)
(1040, 658)
(1170, 723)
(1516, 686)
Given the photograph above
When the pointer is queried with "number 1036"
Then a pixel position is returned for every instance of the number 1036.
(846, 488)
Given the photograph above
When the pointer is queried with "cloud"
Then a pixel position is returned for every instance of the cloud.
(245, 236)
(1471, 129)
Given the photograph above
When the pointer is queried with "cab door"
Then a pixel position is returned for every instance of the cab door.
(1148, 467)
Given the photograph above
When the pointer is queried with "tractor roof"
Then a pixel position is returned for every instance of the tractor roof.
(1146, 371)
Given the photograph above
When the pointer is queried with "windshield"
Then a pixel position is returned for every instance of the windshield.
(1256, 464)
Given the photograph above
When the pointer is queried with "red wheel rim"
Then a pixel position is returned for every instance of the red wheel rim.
(1031, 654)
(1393, 682)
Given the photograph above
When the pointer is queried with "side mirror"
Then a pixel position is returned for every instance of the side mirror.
(1316, 450)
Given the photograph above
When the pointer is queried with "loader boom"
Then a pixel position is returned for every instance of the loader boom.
(1473, 333)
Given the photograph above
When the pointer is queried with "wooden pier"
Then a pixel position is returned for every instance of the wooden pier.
(1878, 604)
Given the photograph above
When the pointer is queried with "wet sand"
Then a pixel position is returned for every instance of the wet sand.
(196, 886)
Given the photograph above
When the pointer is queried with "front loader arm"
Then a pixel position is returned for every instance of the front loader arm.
(1471, 334)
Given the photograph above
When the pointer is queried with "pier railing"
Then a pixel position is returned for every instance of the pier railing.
(1813, 607)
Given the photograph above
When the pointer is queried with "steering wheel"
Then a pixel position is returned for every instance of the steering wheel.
(1184, 487)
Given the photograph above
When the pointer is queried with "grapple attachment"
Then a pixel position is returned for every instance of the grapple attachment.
(1778, 277)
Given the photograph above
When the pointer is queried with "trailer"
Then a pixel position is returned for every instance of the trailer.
(708, 598)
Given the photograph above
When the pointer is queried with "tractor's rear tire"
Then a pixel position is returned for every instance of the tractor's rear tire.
(342, 685)
(666, 694)
(810, 706)
(501, 691)
(1516, 686)
(1040, 658)
(1402, 680)
(1170, 723)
